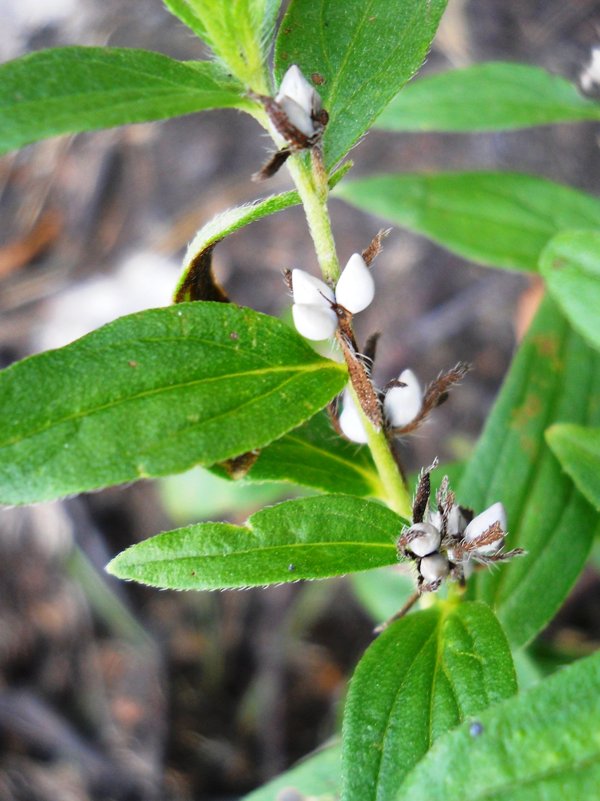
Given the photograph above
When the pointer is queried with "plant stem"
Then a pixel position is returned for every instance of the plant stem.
(314, 200)
(312, 188)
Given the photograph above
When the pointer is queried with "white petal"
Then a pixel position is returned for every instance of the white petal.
(356, 289)
(296, 114)
(481, 523)
(314, 322)
(434, 568)
(402, 404)
(295, 86)
(307, 288)
(427, 540)
(350, 420)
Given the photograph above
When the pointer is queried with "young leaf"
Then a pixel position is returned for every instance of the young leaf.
(313, 455)
(196, 281)
(555, 377)
(317, 776)
(308, 538)
(155, 393)
(423, 676)
(71, 89)
(362, 56)
(578, 450)
(200, 249)
(239, 33)
(498, 219)
(487, 97)
(571, 266)
(541, 744)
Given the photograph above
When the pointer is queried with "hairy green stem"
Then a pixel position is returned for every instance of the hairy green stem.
(312, 188)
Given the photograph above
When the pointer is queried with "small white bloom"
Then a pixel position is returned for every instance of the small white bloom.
(350, 420)
(402, 404)
(590, 76)
(299, 100)
(434, 568)
(355, 289)
(493, 514)
(307, 288)
(426, 541)
(314, 322)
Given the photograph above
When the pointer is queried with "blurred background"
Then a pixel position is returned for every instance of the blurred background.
(112, 691)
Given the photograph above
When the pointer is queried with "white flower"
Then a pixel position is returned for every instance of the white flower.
(299, 100)
(590, 76)
(354, 291)
(402, 404)
(424, 539)
(350, 420)
(480, 524)
(434, 568)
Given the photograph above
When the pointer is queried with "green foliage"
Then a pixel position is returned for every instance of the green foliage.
(238, 32)
(423, 676)
(73, 89)
(541, 744)
(571, 266)
(313, 455)
(555, 377)
(499, 219)
(362, 54)
(578, 450)
(155, 393)
(308, 538)
(487, 97)
(315, 776)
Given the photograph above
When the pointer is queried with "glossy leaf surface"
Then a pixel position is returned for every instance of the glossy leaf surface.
(571, 266)
(487, 97)
(578, 450)
(541, 744)
(71, 89)
(361, 55)
(423, 676)
(493, 218)
(152, 394)
(308, 538)
(555, 377)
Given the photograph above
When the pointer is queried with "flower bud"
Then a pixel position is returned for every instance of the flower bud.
(481, 523)
(314, 322)
(355, 289)
(306, 288)
(350, 420)
(590, 77)
(434, 568)
(402, 404)
(426, 540)
(299, 100)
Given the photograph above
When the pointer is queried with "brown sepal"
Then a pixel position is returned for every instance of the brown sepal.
(371, 252)
(240, 466)
(200, 282)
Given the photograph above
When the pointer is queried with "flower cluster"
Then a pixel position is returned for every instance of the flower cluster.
(447, 542)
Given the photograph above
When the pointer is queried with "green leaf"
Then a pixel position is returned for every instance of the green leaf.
(498, 219)
(541, 744)
(239, 32)
(155, 393)
(71, 89)
(578, 450)
(313, 455)
(571, 266)
(423, 676)
(362, 54)
(487, 97)
(316, 777)
(307, 538)
(554, 377)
